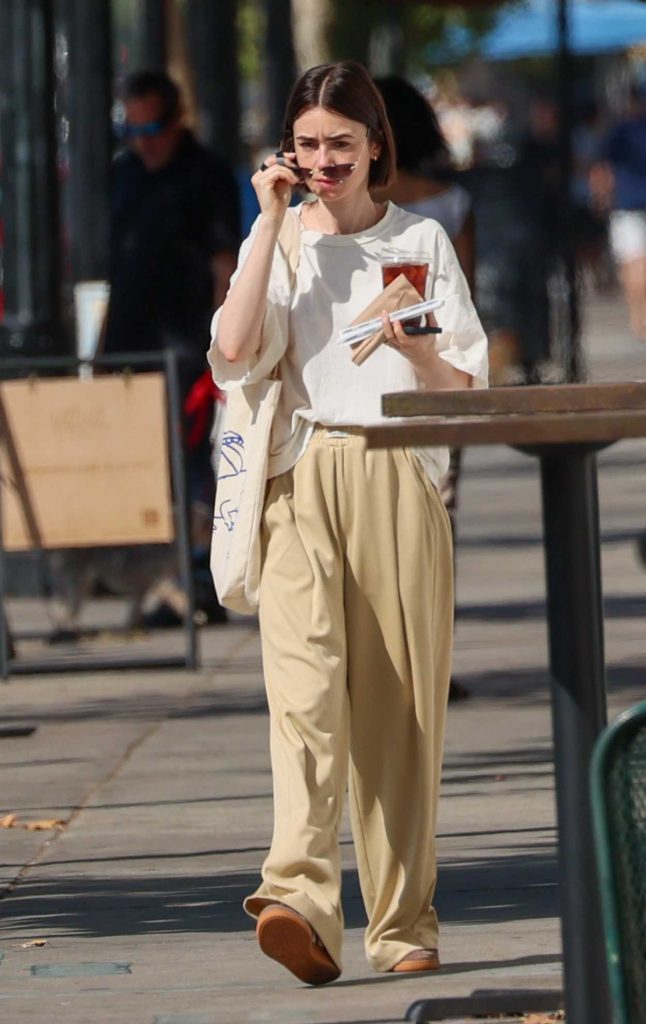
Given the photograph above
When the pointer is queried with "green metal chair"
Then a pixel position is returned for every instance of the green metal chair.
(618, 780)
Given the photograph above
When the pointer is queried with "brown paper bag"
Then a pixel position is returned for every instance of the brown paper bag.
(399, 294)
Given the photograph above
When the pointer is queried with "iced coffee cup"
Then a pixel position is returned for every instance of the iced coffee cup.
(414, 271)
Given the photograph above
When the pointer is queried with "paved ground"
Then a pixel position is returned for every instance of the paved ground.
(162, 783)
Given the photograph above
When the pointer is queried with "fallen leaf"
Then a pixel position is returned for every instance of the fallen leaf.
(34, 942)
(11, 821)
(41, 826)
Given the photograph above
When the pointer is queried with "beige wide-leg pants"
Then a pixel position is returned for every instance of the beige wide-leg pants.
(356, 610)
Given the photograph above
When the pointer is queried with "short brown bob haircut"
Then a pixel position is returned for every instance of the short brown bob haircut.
(345, 88)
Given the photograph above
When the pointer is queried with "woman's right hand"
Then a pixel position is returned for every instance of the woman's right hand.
(273, 184)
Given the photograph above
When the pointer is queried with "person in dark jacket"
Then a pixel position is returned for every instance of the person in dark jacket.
(175, 226)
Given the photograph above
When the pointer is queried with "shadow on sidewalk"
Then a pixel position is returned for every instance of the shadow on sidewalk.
(149, 705)
(624, 606)
(531, 685)
(478, 891)
(535, 539)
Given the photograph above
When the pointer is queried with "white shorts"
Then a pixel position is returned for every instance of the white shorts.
(628, 235)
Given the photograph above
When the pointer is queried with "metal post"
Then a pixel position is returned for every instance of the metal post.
(281, 64)
(153, 41)
(213, 45)
(32, 320)
(571, 529)
(85, 80)
(565, 75)
(180, 501)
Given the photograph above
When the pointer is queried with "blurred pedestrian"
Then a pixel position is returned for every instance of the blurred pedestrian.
(174, 236)
(356, 580)
(174, 230)
(510, 183)
(425, 182)
(618, 182)
(593, 258)
(425, 185)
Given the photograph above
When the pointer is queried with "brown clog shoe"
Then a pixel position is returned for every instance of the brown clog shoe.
(287, 937)
(418, 960)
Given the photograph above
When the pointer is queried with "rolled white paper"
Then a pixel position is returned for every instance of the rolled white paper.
(357, 332)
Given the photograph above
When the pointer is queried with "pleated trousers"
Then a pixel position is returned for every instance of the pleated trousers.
(356, 619)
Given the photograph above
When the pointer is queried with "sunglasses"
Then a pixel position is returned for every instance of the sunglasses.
(146, 130)
(332, 172)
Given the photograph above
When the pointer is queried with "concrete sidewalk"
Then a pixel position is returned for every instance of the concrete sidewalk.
(163, 787)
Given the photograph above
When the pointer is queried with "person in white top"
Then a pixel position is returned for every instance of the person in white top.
(356, 584)
(424, 186)
(424, 182)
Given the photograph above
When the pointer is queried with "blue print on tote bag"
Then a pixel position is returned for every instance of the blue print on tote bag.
(232, 464)
(233, 454)
(243, 463)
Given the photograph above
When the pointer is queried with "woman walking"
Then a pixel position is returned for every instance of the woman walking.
(356, 586)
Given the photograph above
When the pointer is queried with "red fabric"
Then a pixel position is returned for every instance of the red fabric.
(198, 407)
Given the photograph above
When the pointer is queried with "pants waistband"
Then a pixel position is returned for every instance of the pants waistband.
(339, 431)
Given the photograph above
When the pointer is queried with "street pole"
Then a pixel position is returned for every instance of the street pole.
(153, 33)
(281, 65)
(213, 48)
(87, 101)
(32, 263)
(574, 370)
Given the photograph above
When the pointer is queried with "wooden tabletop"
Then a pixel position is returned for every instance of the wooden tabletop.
(546, 414)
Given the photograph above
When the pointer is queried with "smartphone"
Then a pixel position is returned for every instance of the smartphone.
(422, 330)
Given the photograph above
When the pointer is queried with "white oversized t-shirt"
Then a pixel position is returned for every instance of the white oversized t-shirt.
(337, 276)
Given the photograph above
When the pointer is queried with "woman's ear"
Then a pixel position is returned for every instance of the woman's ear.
(375, 144)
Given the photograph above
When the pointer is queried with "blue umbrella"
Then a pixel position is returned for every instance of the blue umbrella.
(595, 26)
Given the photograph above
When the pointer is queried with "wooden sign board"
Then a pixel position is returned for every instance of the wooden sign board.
(84, 462)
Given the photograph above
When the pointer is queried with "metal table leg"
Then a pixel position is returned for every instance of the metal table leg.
(572, 559)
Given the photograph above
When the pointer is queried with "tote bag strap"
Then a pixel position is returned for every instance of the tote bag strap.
(289, 240)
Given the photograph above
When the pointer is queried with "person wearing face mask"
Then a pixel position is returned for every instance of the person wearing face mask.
(174, 236)
(174, 228)
(356, 600)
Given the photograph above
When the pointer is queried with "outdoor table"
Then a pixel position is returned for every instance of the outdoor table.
(564, 426)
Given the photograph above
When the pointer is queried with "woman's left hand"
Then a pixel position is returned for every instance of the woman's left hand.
(415, 347)
(432, 371)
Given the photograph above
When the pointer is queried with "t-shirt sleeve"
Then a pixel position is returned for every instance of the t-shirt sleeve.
(462, 343)
(275, 326)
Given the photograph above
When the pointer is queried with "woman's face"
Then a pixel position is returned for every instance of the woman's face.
(324, 139)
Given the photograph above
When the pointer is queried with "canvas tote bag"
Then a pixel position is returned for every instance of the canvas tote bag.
(242, 471)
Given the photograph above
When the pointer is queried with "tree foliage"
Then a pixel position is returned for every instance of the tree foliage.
(418, 24)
